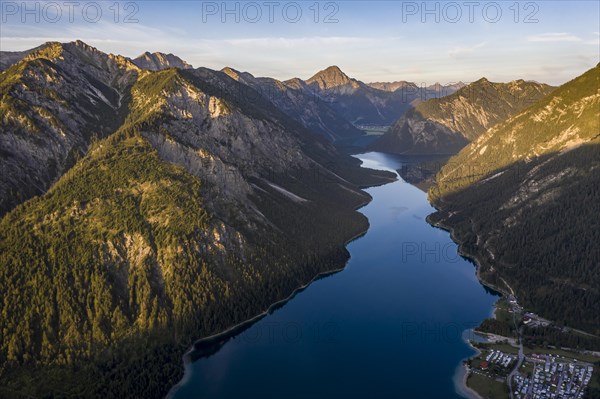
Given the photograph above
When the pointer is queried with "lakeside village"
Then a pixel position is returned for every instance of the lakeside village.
(505, 369)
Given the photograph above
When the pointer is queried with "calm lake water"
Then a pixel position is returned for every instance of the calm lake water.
(389, 326)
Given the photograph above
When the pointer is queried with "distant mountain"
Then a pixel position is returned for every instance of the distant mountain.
(390, 86)
(447, 88)
(444, 90)
(157, 61)
(333, 80)
(522, 199)
(362, 104)
(447, 124)
(167, 208)
(302, 104)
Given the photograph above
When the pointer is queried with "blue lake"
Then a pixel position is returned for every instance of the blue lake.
(390, 325)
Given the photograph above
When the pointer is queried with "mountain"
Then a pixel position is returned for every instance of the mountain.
(445, 125)
(521, 200)
(192, 209)
(333, 80)
(390, 86)
(447, 89)
(157, 61)
(8, 58)
(299, 102)
(53, 104)
(362, 104)
(443, 90)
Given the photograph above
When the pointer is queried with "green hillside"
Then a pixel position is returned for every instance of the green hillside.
(146, 245)
(522, 200)
(563, 120)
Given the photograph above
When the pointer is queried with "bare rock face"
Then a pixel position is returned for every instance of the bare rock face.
(302, 103)
(415, 134)
(333, 78)
(54, 102)
(157, 61)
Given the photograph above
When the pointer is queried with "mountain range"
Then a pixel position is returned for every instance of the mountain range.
(146, 203)
(443, 90)
(187, 208)
(447, 124)
(301, 103)
(54, 102)
(364, 104)
(522, 200)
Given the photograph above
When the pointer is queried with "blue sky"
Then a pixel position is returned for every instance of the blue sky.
(424, 42)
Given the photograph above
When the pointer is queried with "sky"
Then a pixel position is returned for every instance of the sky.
(422, 42)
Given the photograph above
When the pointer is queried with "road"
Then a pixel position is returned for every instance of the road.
(521, 354)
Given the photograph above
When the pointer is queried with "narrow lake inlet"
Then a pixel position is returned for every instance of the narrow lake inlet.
(390, 325)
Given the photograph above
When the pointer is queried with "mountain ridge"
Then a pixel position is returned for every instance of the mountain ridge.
(296, 99)
(164, 229)
(519, 199)
(157, 61)
(447, 124)
(69, 117)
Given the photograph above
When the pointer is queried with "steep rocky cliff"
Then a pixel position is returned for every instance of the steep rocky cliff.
(300, 102)
(53, 104)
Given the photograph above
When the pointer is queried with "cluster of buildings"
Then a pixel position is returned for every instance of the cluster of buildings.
(497, 357)
(553, 379)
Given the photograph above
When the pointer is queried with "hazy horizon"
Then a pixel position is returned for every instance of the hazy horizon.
(431, 42)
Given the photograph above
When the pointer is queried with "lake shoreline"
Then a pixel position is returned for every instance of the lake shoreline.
(235, 329)
(461, 373)
(460, 379)
(461, 383)
(472, 257)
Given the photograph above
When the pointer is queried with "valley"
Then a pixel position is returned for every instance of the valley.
(271, 232)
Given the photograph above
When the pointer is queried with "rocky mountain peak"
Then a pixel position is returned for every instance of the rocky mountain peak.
(83, 46)
(243, 77)
(330, 78)
(482, 81)
(295, 83)
(391, 86)
(157, 61)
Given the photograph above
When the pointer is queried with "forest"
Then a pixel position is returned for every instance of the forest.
(549, 257)
(114, 272)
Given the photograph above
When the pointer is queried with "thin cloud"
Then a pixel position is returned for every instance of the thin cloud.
(554, 38)
(297, 42)
(595, 41)
(460, 51)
